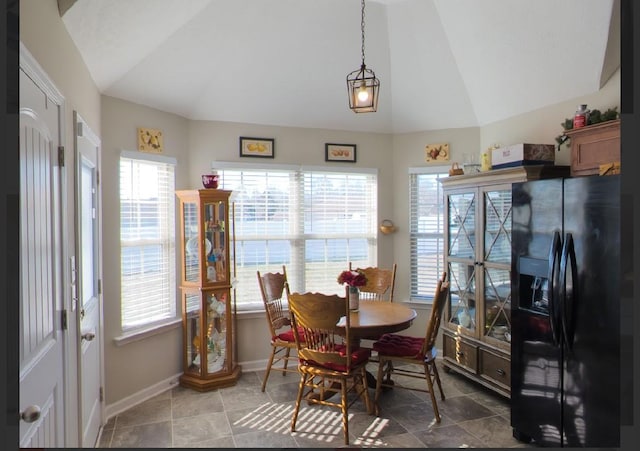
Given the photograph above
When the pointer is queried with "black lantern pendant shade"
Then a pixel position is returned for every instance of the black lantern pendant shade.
(362, 85)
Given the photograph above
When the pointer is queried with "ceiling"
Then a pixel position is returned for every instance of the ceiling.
(441, 63)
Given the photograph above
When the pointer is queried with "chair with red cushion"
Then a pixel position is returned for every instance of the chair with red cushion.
(380, 284)
(274, 289)
(328, 363)
(400, 349)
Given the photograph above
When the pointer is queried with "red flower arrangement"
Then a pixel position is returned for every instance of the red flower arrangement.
(352, 278)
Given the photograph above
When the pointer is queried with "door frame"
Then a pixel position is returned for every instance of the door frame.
(82, 130)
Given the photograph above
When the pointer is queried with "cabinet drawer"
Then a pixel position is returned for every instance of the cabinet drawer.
(495, 368)
(463, 353)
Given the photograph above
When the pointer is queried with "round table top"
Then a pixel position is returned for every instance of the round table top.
(375, 318)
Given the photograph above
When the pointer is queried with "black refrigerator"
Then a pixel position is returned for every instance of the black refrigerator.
(565, 338)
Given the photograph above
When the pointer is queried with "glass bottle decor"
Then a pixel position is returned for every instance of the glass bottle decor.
(354, 298)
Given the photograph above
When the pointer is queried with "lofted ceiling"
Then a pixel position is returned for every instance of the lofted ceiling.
(442, 63)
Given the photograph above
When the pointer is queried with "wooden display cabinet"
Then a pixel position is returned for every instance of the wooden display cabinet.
(477, 317)
(208, 316)
(594, 145)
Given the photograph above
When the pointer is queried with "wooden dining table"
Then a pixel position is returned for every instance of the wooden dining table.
(375, 318)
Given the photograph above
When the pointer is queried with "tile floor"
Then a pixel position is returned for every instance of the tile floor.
(244, 417)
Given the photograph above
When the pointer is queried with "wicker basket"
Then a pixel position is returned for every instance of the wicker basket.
(455, 169)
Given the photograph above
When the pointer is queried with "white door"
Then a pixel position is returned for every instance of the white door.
(42, 334)
(87, 279)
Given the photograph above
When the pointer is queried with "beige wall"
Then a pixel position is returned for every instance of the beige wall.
(408, 151)
(45, 38)
(543, 125)
(196, 144)
(134, 366)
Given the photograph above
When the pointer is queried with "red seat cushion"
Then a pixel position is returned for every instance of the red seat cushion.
(398, 345)
(357, 356)
(288, 335)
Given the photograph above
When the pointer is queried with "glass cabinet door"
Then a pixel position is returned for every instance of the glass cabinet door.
(191, 305)
(461, 257)
(216, 333)
(497, 259)
(206, 348)
(215, 215)
(191, 261)
(462, 305)
(497, 304)
(462, 225)
(497, 226)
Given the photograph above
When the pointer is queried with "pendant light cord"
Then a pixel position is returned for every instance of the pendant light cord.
(362, 30)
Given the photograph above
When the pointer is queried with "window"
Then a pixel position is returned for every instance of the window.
(314, 221)
(426, 231)
(147, 239)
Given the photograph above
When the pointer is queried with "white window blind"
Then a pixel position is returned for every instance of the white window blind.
(312, 221)
(147, 239)
(426, 231)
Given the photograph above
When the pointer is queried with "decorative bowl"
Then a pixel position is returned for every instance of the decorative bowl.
(210, 180)
(387, 227)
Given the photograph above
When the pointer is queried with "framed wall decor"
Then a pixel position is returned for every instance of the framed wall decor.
(257, 147)
(340, 152)
(436, 152)
(150, 140)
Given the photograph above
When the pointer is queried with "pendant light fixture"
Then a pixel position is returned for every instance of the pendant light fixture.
(362, 85)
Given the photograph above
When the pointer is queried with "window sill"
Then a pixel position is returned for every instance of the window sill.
(141, 334)
(417, 305)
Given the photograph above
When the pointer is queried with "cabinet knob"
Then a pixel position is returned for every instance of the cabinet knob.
(459, 353)
(501, 372)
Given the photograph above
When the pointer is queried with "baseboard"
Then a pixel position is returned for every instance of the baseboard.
(162, 386)
(138, 397)
(254, 365)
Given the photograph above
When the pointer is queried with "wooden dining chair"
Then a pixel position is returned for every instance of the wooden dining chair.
(400, 349)
(274, 288)
(380, 283)
(328, 362)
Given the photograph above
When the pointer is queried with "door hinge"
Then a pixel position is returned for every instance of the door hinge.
(101, 394)
(63, 319)
(60, 155)
(97, 177)
(99, 286)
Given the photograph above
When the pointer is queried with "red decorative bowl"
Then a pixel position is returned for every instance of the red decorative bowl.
(210, 180)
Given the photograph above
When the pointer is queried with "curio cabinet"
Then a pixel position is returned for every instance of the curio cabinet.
(207, 270)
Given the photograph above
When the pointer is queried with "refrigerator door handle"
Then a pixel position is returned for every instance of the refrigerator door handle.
(567, 288)
(553, 283)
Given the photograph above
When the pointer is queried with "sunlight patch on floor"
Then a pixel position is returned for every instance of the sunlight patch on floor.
(313, 423)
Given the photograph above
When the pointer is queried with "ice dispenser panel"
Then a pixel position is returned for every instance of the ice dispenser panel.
(534, 284)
